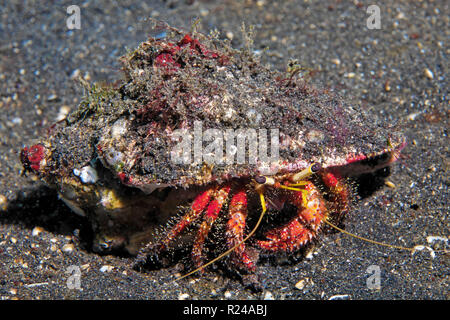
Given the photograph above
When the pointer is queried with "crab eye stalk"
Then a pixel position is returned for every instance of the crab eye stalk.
(315, 167)
(265, 180)
(260, 179)
(305, 173)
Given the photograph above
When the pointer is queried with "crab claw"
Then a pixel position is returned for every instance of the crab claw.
(34, 157)
(303, 227)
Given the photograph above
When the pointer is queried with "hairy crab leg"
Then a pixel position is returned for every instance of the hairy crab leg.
(236, 228)
(315, 211)
(301, 228)
(264, 208)
(211, 215)
(198, 206)
(340, 194)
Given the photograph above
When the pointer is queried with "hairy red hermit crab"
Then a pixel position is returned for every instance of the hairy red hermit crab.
(205, 133)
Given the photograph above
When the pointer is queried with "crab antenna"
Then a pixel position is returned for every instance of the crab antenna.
(365, 239)
(264, 208)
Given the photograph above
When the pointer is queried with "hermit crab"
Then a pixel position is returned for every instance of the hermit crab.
(186, 134)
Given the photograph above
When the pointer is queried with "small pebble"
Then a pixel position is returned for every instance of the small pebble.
(268, 296)
(401, 15)
(260, 3)
(340, 297)
(336, 61)
(85, 267)
(87, 76)
(17, 121)
(427, 72)
(350, 75)
(183, 296)
(63, 112)
(227, 294)
(390, 184)
(432, 239)
(413, 116)
(36, 231)
(52, 97)
(106, 268)
(301, 284)
(310, 255)
(3, 202)
(68, 247)
(420, 248)
(75, 74)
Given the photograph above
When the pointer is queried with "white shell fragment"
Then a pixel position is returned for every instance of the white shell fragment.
(106, 268)
(433, 239)
(86, 174)
(420, 248)
(340, 297)
(119, 129)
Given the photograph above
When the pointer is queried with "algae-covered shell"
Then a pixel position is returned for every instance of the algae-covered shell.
(191, 111)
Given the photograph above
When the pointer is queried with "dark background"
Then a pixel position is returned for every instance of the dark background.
(399, 72)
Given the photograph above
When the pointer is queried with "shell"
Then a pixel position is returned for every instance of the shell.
(123, 139)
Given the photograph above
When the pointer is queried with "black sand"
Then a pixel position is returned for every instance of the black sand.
(398, 71)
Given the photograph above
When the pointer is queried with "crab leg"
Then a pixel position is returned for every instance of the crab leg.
(339, 193)
(198, 206)
(210, 216)
(301, 228)
(236, 228)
